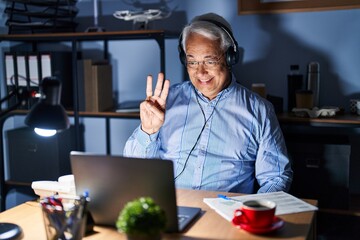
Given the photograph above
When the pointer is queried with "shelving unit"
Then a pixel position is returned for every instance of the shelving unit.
(74, 38)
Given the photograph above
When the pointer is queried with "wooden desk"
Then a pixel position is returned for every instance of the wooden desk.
(210, 225)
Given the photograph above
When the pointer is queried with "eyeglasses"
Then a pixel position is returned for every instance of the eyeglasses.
(208, 64)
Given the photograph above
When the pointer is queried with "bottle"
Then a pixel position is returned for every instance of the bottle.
(313, 81)
(295, 83)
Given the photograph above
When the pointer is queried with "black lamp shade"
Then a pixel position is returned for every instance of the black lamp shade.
(48, 113)
(48, 117)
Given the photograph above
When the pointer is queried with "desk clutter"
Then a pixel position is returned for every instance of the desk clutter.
(65, 187)
(65, 213)
(316, 112)
(64, 219)
(303, 92)
(282, 203)
(45, 16)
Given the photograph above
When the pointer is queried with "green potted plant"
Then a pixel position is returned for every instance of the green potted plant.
(141, 218)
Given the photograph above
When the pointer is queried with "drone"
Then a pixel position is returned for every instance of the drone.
(141, 16)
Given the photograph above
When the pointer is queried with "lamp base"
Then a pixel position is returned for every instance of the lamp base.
(11, 231)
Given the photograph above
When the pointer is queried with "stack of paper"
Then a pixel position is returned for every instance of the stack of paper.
(285, 203)
(65, 186)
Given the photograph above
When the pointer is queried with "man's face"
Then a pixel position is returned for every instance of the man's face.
(206, 65)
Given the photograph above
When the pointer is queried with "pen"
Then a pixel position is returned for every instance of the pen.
(83, 205)
(228, 198)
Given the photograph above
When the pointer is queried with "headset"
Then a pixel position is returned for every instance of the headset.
(231, 54)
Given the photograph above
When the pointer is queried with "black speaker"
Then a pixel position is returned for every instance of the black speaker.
(33, 158)
(231, 54)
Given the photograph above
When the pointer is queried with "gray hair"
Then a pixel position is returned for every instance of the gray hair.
(208, 30)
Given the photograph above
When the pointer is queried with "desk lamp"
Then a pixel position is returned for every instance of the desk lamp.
(48, 116)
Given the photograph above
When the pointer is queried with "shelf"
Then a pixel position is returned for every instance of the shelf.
(84, 36)
(45, 24)
(135, 115)
(341, 120)
(16, 183)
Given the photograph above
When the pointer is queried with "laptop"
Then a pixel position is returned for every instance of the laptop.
(112, 181)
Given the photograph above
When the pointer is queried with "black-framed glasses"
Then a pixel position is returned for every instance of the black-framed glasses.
(208, 64)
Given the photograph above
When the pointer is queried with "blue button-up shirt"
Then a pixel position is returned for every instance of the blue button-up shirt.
(231, 143)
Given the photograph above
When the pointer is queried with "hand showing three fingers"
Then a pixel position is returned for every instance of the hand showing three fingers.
(152, 110)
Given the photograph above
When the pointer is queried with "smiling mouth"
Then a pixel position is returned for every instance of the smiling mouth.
(204, 81)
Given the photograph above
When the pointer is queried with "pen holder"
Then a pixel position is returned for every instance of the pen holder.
(64, 221)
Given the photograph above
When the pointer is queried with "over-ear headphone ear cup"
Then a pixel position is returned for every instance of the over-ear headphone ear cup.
(182, 55)
(232, 56)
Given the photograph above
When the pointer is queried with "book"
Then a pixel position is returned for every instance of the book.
(18, 67)
(45, 62)
(9, 68)
(21, 70)
(96, 81)
(85, 83)
(33, 66)
(102, 88)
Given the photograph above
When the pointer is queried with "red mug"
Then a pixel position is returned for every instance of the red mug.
(255, 213)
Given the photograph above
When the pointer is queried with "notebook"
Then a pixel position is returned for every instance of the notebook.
(112, 181)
